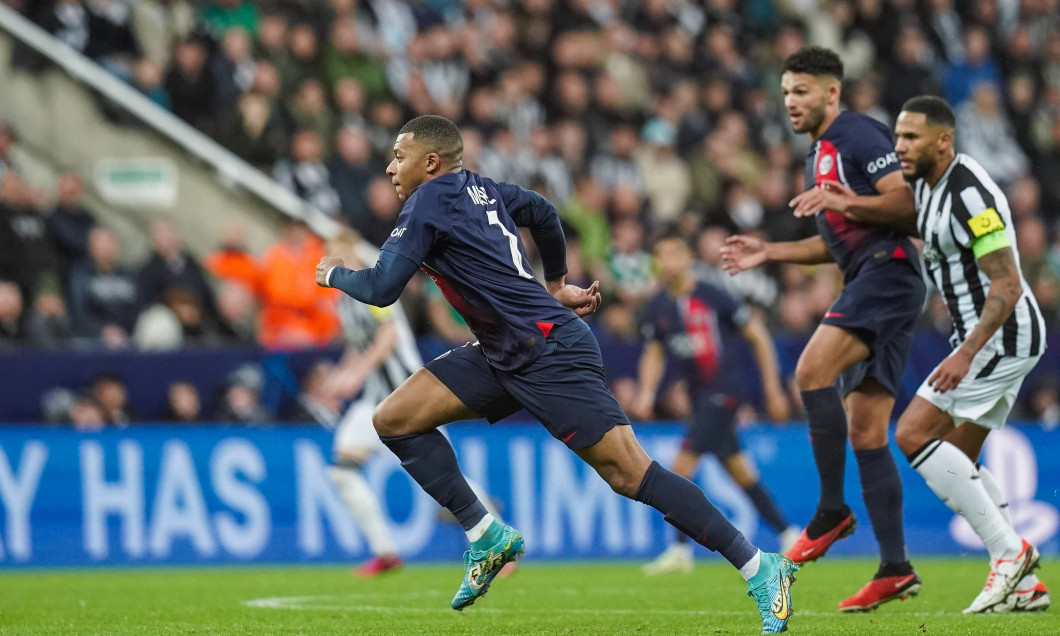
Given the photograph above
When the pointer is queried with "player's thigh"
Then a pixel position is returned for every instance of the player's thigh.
(712, 428)
(566, 389)
(830, 351)
(422, 403)
(467, 374)
(869, 415)
(987, 392)
(920, 423)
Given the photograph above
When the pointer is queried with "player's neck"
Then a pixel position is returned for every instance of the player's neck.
(940, 169)
(682, 285)
(442, 172)
(830, 116)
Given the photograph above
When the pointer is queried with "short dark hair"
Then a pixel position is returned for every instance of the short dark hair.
(437, 134)
(673, 233)
(814, 60)
(937, 111)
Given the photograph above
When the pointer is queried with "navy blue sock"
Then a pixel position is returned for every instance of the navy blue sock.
(766, 507)
(430, 460)
(685, 507)
(828, 437)
(881, 487)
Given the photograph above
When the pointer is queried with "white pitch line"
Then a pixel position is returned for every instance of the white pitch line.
(349, 603)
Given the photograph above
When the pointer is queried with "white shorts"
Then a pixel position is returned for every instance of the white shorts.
(986, 401)
(355, 430)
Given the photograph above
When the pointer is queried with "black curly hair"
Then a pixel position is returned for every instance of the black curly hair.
(814, 60)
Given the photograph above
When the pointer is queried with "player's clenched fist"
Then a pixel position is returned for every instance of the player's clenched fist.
(324, 266)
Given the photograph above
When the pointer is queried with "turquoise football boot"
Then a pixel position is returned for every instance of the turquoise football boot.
(503, 544)
(771, 589)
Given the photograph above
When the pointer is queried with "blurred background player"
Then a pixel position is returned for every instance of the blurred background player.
(864, 338)
(697, 323)
(998, 337)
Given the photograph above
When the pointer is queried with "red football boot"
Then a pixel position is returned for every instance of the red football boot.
(881, 590)
(807, 549)
(378, 565)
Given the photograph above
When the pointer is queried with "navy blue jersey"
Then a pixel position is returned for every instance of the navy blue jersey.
(857, 151)
(462, 229)
(696, 329)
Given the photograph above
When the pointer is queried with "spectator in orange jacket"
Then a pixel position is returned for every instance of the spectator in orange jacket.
(232, 262)
(295, 312)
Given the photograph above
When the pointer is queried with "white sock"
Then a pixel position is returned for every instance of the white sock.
(952, 476)
(994, 490)
(364, 506)
(750, 568)
(475, 533)
(998, 497)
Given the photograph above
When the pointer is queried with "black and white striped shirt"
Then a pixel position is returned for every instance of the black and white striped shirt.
(964, 206)
(360, 324)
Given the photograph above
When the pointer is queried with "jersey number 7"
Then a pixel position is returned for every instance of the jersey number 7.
(513, 244)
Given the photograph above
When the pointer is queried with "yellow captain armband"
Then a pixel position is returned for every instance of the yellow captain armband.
(985, 222)
(990, 243)
(383, 314)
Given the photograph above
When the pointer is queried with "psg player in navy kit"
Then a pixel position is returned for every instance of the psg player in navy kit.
(853, 176)
(699, 326)
(533, 351)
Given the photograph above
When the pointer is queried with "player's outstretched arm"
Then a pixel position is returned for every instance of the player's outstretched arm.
(892, 206)
(582, 301)
(379, 285)
(746, 252)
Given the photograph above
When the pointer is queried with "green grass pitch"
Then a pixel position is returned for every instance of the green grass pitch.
(542, 598)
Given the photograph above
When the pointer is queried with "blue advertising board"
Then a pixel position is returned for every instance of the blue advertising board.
(211, 494)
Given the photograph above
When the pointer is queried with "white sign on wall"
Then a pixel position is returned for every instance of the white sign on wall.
(148, 181)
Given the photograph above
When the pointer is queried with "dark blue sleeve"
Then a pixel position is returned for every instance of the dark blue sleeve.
(416, 228)
(650, 329)
(874, 152)
(729, 309)
(379, 285)
(531, 210)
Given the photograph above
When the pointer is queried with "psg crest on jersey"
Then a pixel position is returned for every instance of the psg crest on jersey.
(825, 165)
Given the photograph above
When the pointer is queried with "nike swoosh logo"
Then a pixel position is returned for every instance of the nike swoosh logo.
(567, 438)
(897, 585)
(807, 552)
(781, 612)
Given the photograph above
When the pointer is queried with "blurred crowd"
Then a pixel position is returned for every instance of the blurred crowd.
(630, 116)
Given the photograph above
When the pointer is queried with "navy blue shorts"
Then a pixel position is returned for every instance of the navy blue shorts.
(881, 305)
(712, 428)
(565, 388)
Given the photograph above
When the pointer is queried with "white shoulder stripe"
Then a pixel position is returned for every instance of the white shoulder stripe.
(973, 201)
